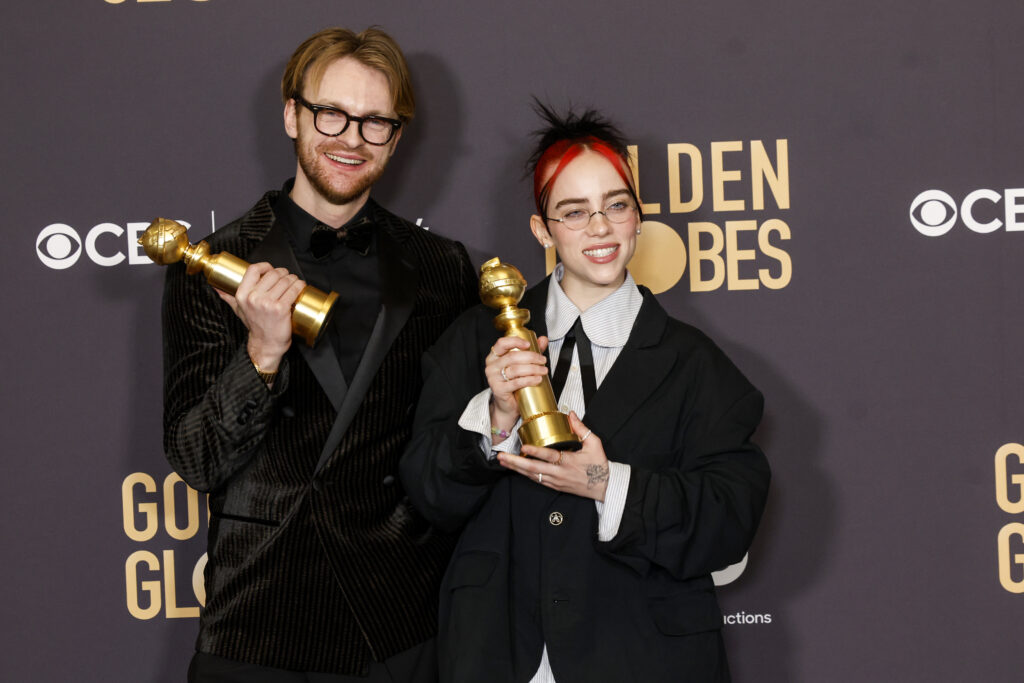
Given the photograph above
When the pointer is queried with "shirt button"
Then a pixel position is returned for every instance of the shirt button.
(556, 518)
(564, 407)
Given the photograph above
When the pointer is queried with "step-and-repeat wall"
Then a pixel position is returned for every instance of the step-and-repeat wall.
(833, 191)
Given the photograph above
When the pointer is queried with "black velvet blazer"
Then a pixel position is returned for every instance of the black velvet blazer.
(316, 560)
(640, 607)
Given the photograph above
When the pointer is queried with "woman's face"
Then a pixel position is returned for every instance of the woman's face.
(596, 255)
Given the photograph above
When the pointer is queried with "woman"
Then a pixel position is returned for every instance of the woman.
(591, 565)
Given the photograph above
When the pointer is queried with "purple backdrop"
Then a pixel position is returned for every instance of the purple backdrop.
(863, 271)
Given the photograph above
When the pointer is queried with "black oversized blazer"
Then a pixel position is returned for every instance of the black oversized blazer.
(640, 607)
(316, 560)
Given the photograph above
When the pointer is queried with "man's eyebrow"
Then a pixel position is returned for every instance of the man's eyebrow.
(335, 105)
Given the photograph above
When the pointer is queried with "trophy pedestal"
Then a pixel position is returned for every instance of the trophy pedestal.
(549, 430)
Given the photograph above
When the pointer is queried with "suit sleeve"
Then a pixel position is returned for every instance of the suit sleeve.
(216, 408)
(699, 515)
(444, 471)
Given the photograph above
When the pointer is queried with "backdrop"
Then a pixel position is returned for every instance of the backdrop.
(834, 193)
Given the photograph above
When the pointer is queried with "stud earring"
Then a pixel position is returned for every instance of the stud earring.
(638, 231)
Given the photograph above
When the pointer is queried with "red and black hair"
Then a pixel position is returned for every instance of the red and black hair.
(564, 138)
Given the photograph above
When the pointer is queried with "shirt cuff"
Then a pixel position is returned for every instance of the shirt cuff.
(609, 513)
(476, 418)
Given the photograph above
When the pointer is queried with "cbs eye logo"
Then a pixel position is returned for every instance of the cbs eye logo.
(59, 246)
(933, 213)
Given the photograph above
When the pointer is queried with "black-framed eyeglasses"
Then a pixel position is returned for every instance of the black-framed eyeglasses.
(332, 122)
(619, 211)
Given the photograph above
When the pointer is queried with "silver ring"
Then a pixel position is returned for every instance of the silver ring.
(503, 375)
(586, 435)
(540, 478)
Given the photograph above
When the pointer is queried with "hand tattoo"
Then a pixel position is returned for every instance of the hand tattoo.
(596, 474)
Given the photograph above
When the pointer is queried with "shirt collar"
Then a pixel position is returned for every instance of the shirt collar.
(607, 323)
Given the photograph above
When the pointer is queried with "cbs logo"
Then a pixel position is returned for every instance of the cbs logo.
(934, 213)
(59, 246)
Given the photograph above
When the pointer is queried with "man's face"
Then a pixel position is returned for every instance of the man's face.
(340, 170)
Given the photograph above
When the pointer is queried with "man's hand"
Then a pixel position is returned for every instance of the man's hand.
(263, 302)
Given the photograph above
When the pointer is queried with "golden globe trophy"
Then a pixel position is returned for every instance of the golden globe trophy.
(166, 241)
(502, 286)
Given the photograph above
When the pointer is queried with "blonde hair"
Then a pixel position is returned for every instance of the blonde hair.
(373, 48)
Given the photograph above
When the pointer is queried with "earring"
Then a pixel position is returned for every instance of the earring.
(547, 245)
(638, 231)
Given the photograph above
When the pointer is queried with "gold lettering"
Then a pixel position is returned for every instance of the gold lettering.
(711, 254)
(634, 166)
(1006, 562)
(675, 190)
(170, 511)
(170, 592)
(132, 585)
(1004, 482)
(734, 254)
(786, 272)
(199, 580)
(777, 178)
(720, 176)
(148, 510)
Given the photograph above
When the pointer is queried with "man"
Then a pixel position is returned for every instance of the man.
(316, 560)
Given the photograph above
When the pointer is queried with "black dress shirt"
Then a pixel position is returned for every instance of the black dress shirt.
(355, 277)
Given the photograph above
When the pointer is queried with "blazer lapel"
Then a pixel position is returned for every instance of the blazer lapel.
(322, 360)
(641, 367)
(399, 277)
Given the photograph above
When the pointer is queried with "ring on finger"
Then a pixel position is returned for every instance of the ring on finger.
(540, 478)
(586, 435)
(504, 376)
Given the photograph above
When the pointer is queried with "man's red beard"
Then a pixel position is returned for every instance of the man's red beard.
(318, 178)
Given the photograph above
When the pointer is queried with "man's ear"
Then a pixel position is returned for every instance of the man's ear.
(291, 119)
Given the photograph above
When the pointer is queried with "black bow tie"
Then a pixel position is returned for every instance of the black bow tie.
(356, 237)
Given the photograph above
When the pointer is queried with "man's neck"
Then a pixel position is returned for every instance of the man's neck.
(334, 215)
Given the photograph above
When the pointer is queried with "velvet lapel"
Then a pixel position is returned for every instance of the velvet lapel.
(399, 278)
(642, 366)
(322, 360)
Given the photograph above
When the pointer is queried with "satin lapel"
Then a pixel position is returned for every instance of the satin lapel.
(642, 366)
(322, 360)
(399, 277)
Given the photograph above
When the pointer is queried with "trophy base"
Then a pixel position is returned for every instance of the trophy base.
(312, 313)
(550, 430)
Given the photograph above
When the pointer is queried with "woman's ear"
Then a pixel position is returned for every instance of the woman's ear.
(540, 231)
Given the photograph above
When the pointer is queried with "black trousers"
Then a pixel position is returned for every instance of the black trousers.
(415, 665)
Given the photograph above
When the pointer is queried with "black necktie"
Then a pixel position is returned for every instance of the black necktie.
(576, 337)
(357, 237)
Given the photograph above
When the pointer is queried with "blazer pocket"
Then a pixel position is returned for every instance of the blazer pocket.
(682, 615)
(472, 568)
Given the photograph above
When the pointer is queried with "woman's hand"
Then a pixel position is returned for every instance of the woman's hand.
(510, 366)
(583, 473)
